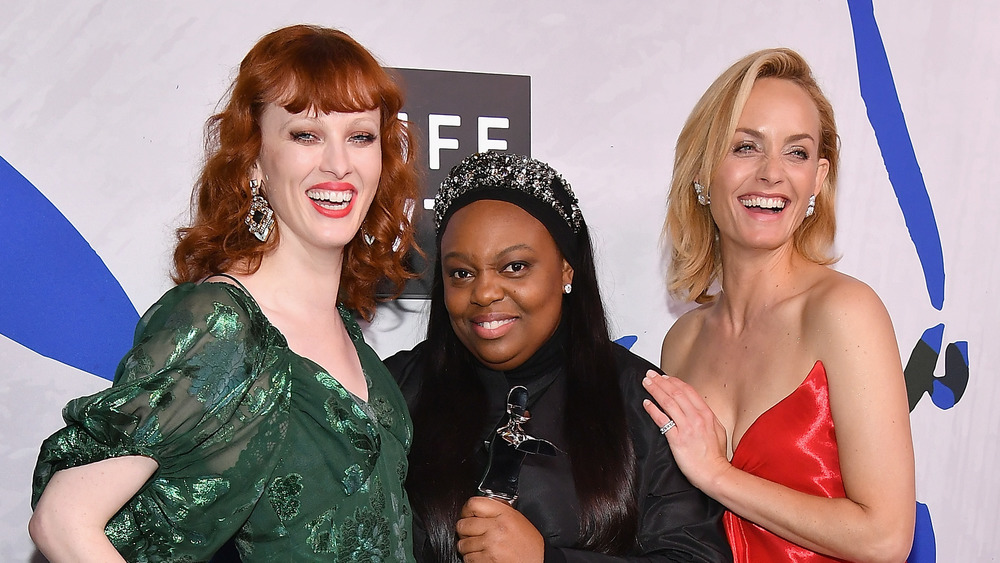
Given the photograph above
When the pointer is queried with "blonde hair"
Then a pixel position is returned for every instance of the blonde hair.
(689, 230)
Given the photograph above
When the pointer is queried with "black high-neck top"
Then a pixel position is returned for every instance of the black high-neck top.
(677, 522)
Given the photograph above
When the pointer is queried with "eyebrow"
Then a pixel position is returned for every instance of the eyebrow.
(791, 139)
(509, 249)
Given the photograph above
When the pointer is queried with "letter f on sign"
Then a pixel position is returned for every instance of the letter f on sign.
(436, 142)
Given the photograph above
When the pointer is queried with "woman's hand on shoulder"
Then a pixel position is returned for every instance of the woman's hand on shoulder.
(698, 442)
(493, 531)
(697, 438)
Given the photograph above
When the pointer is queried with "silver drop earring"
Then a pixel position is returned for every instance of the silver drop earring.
(811, 208)
(260, 219)
(703, 196)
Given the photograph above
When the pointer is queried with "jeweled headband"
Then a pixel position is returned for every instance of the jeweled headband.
(527, 183)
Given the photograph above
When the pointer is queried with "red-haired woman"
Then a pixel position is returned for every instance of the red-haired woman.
(250, 404)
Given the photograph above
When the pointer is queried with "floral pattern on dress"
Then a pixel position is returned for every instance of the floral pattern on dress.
(362, 435)
(248, 445)
(365, 535)
(284, 496)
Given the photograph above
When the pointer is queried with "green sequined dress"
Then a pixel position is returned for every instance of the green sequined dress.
(252, 440)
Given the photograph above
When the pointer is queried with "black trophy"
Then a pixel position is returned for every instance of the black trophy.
(507, 449)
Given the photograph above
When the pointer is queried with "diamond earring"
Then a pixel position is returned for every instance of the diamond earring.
(568, 288)
(704, 197)
(811, 208)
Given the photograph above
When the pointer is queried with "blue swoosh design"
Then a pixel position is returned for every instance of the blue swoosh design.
(627, 341)
(924, 546)
(886, 116)
(58, 297)
(878, 90)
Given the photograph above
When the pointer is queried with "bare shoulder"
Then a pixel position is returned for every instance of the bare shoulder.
(680, 338)
(849, 327)
(838, 302)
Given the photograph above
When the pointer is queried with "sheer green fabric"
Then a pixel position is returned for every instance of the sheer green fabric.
(251, 439)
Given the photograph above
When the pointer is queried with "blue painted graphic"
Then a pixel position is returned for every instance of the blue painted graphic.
(627, 341)
(924, 546)
(886, 116)
(947, 390)
(57, 297)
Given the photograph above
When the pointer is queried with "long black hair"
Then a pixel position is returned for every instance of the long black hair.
(441, 479)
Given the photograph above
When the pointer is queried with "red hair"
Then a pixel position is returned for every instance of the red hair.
(302, 68)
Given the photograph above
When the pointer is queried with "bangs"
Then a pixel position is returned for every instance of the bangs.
(309, 89)
(326, 73)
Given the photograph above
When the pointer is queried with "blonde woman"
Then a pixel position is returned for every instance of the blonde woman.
(785, 399)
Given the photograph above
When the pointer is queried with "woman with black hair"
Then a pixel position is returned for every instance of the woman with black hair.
(515, 302)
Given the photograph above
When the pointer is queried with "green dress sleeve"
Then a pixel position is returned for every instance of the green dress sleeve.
(198, 393)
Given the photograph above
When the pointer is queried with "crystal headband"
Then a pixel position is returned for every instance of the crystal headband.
(505, 171)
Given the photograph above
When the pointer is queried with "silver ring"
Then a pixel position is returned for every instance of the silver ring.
(666, 427)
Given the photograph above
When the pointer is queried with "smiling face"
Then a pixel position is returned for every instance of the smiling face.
(761, 188)
(320, 173)
(503, 277)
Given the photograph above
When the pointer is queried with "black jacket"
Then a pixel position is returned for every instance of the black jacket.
(677, 522)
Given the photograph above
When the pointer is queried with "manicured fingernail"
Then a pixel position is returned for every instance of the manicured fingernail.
(647, 381)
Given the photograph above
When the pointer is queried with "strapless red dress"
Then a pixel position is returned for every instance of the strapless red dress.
(792, 443)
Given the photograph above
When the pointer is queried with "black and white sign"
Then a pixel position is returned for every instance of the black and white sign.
(455, 114)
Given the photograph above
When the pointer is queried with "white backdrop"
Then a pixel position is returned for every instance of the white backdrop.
(102, 106)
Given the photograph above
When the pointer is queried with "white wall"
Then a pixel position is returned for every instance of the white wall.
(102, 106)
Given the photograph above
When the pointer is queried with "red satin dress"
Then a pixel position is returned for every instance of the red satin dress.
(792, 443)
